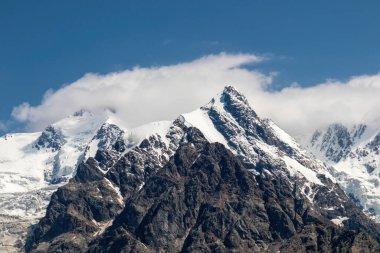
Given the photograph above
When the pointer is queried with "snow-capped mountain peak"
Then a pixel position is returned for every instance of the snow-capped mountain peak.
(228, 119)
(34, 165)
(336, 141)
(231, 97)
(354, 157)
(37, 159)
(260, 146)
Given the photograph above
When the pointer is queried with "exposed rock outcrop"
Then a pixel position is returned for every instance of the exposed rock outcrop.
(203, 200)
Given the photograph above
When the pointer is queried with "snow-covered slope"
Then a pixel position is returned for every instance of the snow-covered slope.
(335, 142)
(354, 153)
(32, 166)
(230, 120)
(31, 161)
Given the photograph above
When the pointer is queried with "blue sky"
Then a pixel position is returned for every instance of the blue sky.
(46, 44)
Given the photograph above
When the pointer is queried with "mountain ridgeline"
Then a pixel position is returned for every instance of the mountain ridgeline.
(203, 200)
(218, 179)
(354, 156)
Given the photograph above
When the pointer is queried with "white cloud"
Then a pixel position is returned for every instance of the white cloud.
(3, 126)
(141, 95)
(302, 110)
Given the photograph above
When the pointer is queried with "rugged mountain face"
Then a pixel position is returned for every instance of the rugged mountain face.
(174, 191)
(90, 187)
(335, 143)
(113, 165)
(354, 155)
(204, 199)
(33, 166)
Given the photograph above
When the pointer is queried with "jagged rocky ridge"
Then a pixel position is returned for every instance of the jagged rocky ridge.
(204, 200)
(354, 157)
(125, 196)
(336, 141)
(33, 166)
(124, 176)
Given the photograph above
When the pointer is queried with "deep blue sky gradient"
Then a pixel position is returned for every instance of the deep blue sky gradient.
(46, 44)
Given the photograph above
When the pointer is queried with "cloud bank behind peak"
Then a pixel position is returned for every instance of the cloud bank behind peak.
(142, 95)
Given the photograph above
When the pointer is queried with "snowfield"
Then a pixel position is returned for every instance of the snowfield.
(354, 156)
(34, 165)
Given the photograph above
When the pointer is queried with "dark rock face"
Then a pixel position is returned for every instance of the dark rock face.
(50, 138)
(90, 201)
(203, 200)
(108, 135)
(110, 145)
(337, 141)
(179, 193)
(237, 120)
(77, 208)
